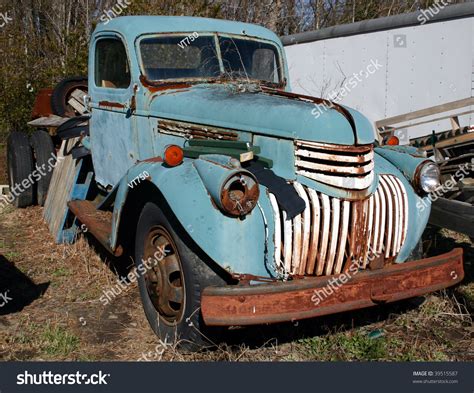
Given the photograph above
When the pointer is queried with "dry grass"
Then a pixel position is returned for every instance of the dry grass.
(63, 319)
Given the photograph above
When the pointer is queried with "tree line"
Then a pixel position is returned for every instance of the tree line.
(43, 41)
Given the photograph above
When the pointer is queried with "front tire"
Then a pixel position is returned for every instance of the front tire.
(171, 278)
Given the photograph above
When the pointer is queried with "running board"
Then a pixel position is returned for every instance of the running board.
(97, 222)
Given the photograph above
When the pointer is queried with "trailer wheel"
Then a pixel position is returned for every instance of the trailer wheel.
(62, 92)
(20, 168)
(170, 278)
(45, 155)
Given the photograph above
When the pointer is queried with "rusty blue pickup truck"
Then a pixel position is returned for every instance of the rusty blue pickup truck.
(237, 203)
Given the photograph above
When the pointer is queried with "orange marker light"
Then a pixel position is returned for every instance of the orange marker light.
(173, 155)
(393, 141)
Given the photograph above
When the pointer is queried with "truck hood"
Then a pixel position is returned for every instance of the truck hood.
(268, 112)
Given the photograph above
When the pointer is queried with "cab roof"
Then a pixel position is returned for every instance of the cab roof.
(134, 26)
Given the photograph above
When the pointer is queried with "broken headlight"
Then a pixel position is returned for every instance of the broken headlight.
(239, 193)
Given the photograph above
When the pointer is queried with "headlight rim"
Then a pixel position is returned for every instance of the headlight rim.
(417, 177)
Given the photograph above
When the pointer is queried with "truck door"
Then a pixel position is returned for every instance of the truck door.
(112, 124)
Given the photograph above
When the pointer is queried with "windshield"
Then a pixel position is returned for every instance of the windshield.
(197, 57)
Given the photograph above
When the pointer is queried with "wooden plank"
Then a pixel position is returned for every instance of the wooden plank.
(62, 181)
(50, 121)
(460, 139)
(77, 101)
(79, 94)
(404, 126)
(442, 135)
(455, 122)
(454, 215)
(425, 112)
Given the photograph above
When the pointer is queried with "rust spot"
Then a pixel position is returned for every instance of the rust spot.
(108, 104)
(319, 101)
(156, 87)
(42, 106)
(98, 222)
(298, 299)
(153, 159)
(238, 198)
(239, 201)
(358, 234)
(195, 131)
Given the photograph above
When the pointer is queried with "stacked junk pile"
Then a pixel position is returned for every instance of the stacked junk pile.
(453, 150)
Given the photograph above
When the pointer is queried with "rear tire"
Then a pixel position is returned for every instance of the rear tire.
(171, 289)
(43, 150)
(20, 167)
(62, 93)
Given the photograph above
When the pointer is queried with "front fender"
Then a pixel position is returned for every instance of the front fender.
(237, 245)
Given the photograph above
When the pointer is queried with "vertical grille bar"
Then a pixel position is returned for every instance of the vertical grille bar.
(296, 257)
(389, 224)
(335, 214)
(288, 240)
(306, 226)
(346, 211)
(405, 210)
(326, 210)
(315, 219)
(370, 214)
(277, 236)
(331, 232)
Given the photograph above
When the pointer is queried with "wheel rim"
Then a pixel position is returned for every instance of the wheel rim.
(164, 278)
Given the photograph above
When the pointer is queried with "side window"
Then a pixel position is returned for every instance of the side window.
(111, 64)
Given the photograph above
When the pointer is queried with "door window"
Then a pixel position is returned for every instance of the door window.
(112, 69)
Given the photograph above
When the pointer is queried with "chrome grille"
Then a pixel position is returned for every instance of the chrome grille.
(332, 233)
(342, 166)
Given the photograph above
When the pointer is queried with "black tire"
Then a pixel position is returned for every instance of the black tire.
(186, 327)
(44, 154)
(20, 167)
(62, 92)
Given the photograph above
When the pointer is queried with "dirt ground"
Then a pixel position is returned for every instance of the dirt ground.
(55, 312)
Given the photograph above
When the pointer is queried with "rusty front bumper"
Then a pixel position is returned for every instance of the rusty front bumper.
(315, 296)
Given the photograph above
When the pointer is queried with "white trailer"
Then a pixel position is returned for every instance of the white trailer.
(423, 59)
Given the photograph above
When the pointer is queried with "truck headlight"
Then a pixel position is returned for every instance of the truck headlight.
(239, 193)
(427, 176)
